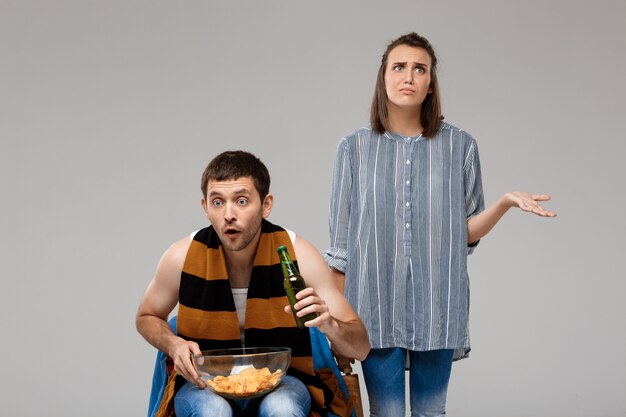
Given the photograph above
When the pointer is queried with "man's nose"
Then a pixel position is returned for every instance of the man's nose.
(229, 212)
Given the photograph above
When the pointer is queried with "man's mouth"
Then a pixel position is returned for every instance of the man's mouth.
(231, 232)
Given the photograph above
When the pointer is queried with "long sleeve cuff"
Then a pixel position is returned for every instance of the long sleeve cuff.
(336, 258)
(472, 246)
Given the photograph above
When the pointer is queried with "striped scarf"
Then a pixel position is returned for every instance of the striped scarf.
(207, 314)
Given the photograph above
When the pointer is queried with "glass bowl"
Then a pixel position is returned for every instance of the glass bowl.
(242, 373)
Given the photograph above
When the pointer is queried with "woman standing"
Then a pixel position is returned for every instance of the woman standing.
(406, 209)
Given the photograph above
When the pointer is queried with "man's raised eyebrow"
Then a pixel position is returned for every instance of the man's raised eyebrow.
(241, 191)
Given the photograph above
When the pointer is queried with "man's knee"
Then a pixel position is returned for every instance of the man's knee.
(282, 407)
(289, 399)
(190, 401)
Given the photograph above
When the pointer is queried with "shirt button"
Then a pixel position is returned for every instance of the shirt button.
(407, 225)
(408, 182)
(408, 162)
(408, 204)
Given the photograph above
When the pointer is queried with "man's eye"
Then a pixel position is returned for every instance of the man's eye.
(242, 202)
(217, 203)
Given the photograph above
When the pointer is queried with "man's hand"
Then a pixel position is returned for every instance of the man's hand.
(310, 302)
(335, 316)
(183, 365)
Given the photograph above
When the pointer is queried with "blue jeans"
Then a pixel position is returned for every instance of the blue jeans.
(429, 373)
(289, 399)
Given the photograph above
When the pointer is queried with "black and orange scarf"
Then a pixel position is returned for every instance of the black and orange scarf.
(207, 314)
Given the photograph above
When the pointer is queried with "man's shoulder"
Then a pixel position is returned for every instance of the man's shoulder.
(304, 249)
(177, 252)
(172, 261)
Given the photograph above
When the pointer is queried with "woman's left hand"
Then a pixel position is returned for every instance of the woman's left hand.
(528, 202)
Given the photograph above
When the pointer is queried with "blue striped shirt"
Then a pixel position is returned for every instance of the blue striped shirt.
(398, 230)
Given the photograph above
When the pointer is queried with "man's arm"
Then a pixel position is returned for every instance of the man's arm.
(479, 225)
(158, 301)
(336, 318)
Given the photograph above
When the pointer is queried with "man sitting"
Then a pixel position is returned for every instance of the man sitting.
(227, 282)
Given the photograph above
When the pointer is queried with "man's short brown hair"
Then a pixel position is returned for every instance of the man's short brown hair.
(231, 165)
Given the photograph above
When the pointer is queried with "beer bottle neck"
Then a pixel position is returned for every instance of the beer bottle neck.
(288, 266)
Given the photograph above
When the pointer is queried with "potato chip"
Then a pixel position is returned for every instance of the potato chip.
(248, 382)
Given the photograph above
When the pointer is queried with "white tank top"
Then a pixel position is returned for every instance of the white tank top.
(240, 295)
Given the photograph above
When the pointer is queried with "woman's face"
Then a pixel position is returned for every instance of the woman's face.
(407, 77)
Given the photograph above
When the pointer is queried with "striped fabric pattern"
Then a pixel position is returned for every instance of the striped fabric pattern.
(398, 213)
(207, 313)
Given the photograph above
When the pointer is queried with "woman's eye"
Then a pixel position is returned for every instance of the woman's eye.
(398, 68)
(420, 70)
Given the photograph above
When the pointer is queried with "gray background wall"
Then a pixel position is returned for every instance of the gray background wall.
(109, 111)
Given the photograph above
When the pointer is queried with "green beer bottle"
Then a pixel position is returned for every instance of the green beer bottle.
(293, 283)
